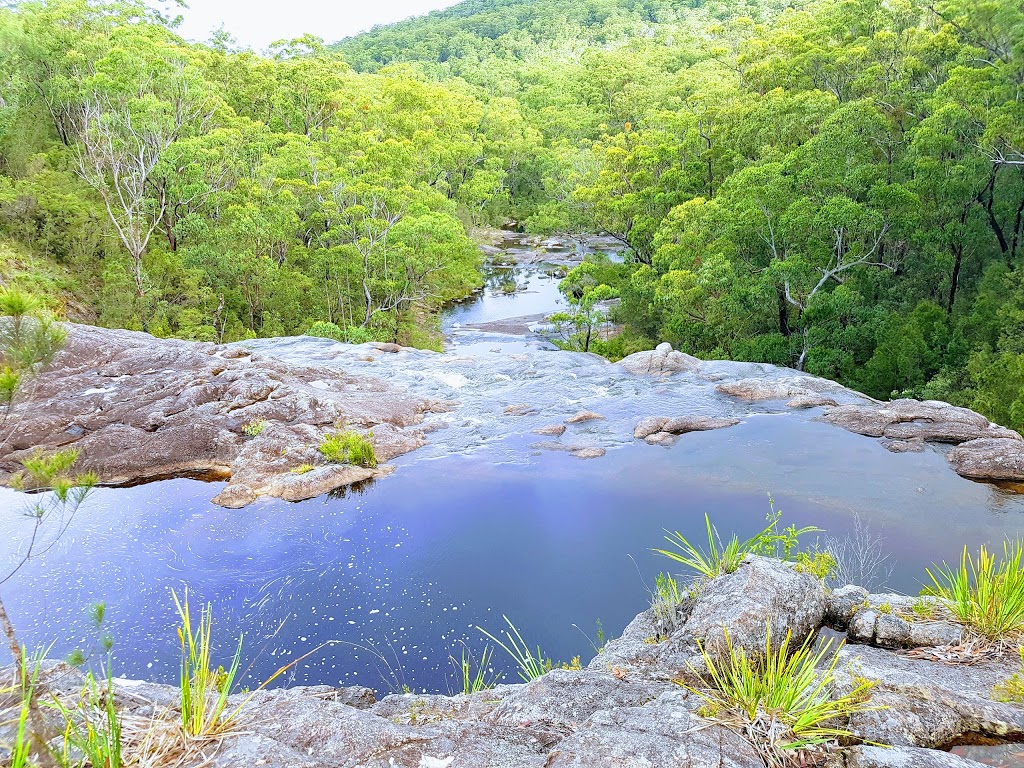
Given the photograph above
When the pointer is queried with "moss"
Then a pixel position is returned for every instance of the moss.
(254, 428)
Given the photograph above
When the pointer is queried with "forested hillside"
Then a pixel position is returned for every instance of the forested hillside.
(837, 186)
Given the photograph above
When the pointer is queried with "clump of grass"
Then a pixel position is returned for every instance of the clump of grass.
(665, 600)
(303, 469)
(349, 448)
(531, 663)
(254, 428)
(719, 559)
(475, 676)
(784, 699)
(1012, 690)
(94, 727)
(985, 594)
(203, 689)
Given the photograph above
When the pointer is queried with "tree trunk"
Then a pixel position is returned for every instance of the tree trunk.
(784, 329)
(954, 280)
(39, 729)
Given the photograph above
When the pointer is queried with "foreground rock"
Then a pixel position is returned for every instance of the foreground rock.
(990, 459)
(663, 361)
(140, 408)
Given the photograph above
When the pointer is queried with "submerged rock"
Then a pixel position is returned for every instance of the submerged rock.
(584, 416)
(678, 425)
(553, 430)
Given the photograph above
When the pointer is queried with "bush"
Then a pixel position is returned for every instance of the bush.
(324, 330)
(349, 448)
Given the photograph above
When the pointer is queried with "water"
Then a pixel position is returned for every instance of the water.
(386, 582)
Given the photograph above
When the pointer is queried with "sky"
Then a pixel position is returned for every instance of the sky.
(257, 23)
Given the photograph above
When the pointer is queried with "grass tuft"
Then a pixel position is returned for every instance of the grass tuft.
(349, 448)
(784, 699)
(531, 664)
(985, 594)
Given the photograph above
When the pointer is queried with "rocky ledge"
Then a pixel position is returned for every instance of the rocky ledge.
(139, 408)
(627, 708)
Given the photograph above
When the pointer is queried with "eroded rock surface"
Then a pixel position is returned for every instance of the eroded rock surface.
(139, 408)
(663, 361)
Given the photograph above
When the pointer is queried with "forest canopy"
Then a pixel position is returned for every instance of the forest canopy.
(837, 187)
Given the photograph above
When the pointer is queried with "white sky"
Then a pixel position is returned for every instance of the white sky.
(257, 23)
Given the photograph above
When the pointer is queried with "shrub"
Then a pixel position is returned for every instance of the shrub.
(349, 448)
(820, 564)
(325, 330)
(784, 700)
(254, 428)
(987, 594)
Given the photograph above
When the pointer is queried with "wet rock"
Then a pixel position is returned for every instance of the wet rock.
(761, 590)
(915, 445)
(904, 757)
(520, 409)
(930, 420)
(679, 425)
(588, 453)
(926, 703)
(777, 389)
(663, 361)
(658, 734)
(990, 459)
(811, 401)
(554, 430)
(661, 438)
(583, 417)
(140, 408)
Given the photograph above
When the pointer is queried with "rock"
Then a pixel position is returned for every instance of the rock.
(662, 438)
(583, 416)
(777, 389)
(386, 347)
(554, 430)
(889, 621)
(139, 408)
(520, 409)
(916, 445)
(866, 756)
(655, 735)
(761, 590)
(989, 459)
(663, 361)
(588, 453)
(842, 604)
(906, 420)
(811, 401)
(562, 700)
(679, 425)
(926, 703)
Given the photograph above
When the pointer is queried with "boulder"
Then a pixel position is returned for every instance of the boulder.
(906, 420)
(782, 388)
(584, 416)
(762, 591)
(680, 425)
(990, 459)
(588, 453)
(867, 756)
(889, 621)
(554, 430)
(662, 361)
(811, 401)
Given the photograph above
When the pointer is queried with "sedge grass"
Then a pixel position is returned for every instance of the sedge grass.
(784, 700)
(531, 663)
(986, 593)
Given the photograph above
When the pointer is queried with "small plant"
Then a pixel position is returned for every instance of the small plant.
(885, 608)
(574, 665)
(254, 428)
(720, 559)
(484, 678)
(531, 665)
(203, 690)
(987, 594)
(303, 469)
(924, 609)
(1012, 691)
(819, 564)
(93, 728)
(349, 448)
(783, 699)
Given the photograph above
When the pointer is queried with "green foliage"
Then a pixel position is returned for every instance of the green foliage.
(1012, 689)
(254, 428)
(349, 448)
(203, 689)
(530, 663)
(795, 688)
(93, 728)
(985, 593)
(819, 564)
(475, 676)
(720, 559)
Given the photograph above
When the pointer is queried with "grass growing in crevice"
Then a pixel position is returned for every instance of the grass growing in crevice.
(349, 448)
(985, 594)
(784, 700)
(475, 676)
(530, 663)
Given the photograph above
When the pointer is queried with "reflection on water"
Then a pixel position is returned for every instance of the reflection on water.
(409, 566)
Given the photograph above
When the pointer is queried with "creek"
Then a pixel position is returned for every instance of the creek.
(389, 580)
